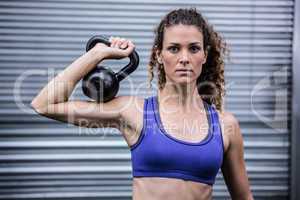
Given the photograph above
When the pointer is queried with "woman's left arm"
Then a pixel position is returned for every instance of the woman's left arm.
(233, 167)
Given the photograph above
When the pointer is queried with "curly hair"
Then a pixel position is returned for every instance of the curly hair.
(211, 82)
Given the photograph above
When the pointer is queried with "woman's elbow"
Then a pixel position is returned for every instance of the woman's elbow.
(37, 108)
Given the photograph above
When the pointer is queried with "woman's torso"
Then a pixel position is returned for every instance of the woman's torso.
(182, 127)
(155, 188)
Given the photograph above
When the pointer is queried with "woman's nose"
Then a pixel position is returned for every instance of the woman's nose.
(184, 62)
(184, 58)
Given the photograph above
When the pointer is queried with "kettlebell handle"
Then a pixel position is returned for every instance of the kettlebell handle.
(125, 71)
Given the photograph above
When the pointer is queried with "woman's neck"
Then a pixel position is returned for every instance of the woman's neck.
(184, 99)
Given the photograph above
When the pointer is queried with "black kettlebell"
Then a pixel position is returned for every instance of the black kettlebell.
(101, 83)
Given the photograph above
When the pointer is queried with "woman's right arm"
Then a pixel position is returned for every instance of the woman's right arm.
(52, 100)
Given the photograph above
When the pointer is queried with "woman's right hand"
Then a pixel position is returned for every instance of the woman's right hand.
(119, 48)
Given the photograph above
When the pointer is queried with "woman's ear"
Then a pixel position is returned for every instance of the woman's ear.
(205, 56)
(158, 57)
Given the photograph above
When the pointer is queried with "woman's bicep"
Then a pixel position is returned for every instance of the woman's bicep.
(234, 168)
(85, 113)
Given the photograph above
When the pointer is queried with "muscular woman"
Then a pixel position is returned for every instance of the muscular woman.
(180, 138)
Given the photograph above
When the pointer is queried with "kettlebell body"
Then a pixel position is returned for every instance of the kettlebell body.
(102, 83)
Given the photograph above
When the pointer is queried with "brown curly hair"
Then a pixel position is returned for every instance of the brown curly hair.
(211, 83)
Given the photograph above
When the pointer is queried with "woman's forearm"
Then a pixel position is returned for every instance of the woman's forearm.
(61, 86)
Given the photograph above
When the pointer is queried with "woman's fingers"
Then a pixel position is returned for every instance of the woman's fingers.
(124, 44)
(130, 47)
(117, 42)
(120, 41)
(121, 47)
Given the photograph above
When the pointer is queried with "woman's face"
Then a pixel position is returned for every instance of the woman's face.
(182, 49)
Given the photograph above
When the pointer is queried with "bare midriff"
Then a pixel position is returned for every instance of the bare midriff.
(157, 188)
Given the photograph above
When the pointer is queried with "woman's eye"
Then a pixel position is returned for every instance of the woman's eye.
(173, 49)
(195, 49)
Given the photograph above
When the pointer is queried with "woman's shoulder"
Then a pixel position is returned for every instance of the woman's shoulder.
(228, 117)
(230, 127)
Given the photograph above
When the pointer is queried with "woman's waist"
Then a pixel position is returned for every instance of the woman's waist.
(158, 188)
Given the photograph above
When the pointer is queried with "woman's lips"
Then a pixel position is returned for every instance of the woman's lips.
(184, 71)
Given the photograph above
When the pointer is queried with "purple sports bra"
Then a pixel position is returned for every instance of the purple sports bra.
(158, 154)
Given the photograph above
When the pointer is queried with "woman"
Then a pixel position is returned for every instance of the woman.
(180, 138)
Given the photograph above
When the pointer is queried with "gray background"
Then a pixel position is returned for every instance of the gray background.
(46, 159)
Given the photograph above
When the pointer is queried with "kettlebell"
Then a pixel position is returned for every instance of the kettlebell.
(102, 83)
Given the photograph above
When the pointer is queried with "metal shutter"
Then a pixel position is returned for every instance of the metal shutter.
(45, 159)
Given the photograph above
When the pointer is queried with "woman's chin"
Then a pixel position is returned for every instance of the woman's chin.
(184, 81)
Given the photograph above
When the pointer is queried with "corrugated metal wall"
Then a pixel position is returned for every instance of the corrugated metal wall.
(43, 159)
